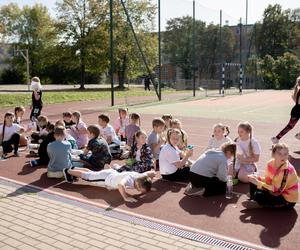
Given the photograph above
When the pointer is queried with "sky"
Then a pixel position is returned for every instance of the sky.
(205, 10)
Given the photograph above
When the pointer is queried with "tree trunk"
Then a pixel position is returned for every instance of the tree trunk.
(122, 73)
(82, 69)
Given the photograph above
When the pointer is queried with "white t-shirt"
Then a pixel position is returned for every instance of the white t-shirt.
(109, 131)
(167, 157)
(138, 155)
(9, 131)
(115, 178)
(243, 149)
(216, 144)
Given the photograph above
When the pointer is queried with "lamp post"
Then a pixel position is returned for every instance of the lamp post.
(111, 40)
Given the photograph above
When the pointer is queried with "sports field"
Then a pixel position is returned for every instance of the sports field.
(267, 111)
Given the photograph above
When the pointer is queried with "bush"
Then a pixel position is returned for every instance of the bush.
(12, 76)
(280, 73)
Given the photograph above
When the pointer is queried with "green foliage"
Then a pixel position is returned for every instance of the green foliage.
(280, 73)
(12, 76)
(128, 60)
(74, 47)
(273, 35)
(177, 44)
(12, 100)
(267, 73)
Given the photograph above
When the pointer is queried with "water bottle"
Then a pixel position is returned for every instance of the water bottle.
(28, 143)
(229, 194)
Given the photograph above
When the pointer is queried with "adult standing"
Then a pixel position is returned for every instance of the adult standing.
(295, 113)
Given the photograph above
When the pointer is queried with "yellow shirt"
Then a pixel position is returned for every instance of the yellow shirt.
(273, 180)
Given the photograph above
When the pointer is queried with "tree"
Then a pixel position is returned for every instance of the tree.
(83, 26)
(294, 34)
(280, 73)
(287, 68)
(128, 61)
(273, 35)
(29, 28)
(177, 42)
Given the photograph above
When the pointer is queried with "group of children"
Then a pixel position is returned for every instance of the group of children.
(73, 150)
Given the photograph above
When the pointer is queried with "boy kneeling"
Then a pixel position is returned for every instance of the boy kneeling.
(112, 180)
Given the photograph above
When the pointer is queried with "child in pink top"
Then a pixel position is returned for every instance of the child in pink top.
(79, 130)
(121, 123)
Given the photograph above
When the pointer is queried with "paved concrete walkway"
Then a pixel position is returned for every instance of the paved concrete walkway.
(30, 221)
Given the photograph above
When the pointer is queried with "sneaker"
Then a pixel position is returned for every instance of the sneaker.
(297, 136)
(33, 163)
(4, 157)
(274, 140)
(250, 204)
(69, 178)
(16, 154)
(194, 191)
(55, 175)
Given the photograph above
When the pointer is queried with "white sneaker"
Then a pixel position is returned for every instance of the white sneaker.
(274, 140)
(189, 191)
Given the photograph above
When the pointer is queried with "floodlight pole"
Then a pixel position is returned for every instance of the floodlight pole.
(221, 50)
(194, 56)
(111, 40)
(159, 53)
(27, 69)
(241, 59)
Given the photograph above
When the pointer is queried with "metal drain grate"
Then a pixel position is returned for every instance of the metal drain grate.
(176, 231)
(205, 239)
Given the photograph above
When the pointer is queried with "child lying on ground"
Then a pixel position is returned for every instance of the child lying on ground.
(112, 180)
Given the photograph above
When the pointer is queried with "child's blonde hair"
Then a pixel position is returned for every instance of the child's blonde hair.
(42, 121)
(167, 119)
(77, 114)
(249, 129)
(122, 110)
(60, 123)
(135, 117)
(230, 147)
(224, 128)
(158, 122)
(59, 131)
(279, 146)
(18, 109)
(170, 132)
(176, 122)
(144, 182)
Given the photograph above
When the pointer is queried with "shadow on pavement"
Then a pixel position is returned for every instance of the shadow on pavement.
(296, 163)
(44, 182)
(276, 223)
(210, 206)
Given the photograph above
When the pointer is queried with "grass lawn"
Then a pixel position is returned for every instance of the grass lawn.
(16, 99)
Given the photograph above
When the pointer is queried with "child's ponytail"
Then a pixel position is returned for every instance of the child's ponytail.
(227, 131)
(249, 129)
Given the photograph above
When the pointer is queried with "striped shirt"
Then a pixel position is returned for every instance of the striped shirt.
(273, 181)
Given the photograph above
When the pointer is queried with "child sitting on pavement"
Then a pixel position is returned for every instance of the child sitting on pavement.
(99, 148)
(59, 153)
